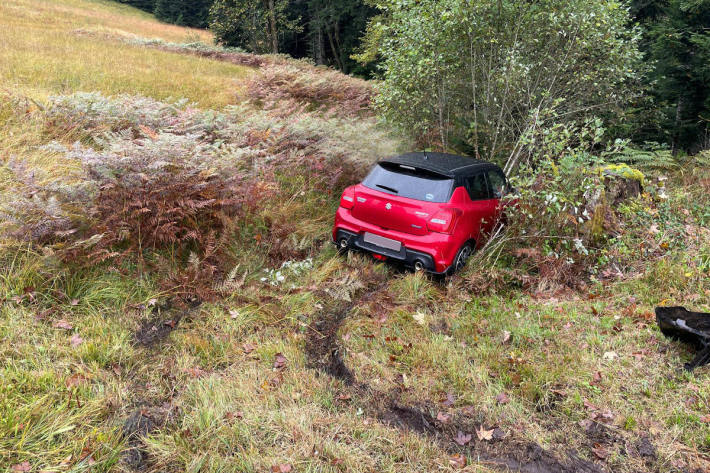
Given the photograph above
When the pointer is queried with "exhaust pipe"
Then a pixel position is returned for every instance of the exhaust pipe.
(343, 243)
(418, 266)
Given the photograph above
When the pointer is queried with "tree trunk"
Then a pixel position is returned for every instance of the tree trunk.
(318, 47)
(273, 31)
(336, 54)
(343, 65)
(676, 132)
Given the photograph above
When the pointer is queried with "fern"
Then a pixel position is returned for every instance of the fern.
(657, 158)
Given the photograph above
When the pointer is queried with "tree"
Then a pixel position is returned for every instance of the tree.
(145, 5)
(677, 44)
(255, 25)
(183, 12)
(335, 27)
(479, 76)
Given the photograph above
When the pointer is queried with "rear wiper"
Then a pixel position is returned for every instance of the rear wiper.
(388, 188)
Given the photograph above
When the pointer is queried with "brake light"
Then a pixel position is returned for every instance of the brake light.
(348, 199)
(444, 221)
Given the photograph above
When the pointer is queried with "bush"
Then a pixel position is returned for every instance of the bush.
(561, 218)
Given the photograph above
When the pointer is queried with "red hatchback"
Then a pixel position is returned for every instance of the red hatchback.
(426, 210)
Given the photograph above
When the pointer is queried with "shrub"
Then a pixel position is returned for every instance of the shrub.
(561, 216)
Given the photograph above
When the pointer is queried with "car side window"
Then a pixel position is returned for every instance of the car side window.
(496, 180)
(477, 187)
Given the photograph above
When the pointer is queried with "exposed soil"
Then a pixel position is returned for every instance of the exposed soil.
(502, 452)
(324, 351)
(163, 321)
(137, 425)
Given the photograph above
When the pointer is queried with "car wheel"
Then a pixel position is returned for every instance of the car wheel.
(462, 256)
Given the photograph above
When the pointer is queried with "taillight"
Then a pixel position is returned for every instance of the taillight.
(443, 221)
(348, 199)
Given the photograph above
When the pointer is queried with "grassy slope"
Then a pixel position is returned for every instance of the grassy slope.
(220, 407)
(40, 55)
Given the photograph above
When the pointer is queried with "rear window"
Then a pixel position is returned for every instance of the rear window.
(408, 182)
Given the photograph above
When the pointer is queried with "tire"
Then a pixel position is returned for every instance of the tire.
(462, 256)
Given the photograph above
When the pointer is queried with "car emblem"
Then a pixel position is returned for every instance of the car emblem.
(388, 206)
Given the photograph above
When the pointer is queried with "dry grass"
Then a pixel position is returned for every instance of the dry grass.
(40, 56)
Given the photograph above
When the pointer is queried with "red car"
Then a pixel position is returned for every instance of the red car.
(425, 210)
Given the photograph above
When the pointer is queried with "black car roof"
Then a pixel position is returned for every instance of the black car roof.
(450, 165)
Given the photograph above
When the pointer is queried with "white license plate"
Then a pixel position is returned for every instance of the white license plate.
(382, 242)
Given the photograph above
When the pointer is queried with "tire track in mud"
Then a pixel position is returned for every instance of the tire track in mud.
(324, 352)
(145, 416)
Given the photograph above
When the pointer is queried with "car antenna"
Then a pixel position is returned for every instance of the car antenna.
(425, 156)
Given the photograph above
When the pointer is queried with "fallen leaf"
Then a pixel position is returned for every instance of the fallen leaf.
(75, 380)
(196, 372)
(600, 452)
(443, 417)
(462, 439)
(230, 416)
(457, 460)
(559, 392)
(63, 324)
(74, 302)
(24, 466)
(280, 361)
(344, 397)
(248, 348)
(76, 340)
(468, 411)
(603, 416)
(705, 418)
(484, 434)
(170, 323)
(502, 398)
(233, 313)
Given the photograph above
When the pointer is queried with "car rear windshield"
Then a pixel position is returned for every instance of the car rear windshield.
(406, 181)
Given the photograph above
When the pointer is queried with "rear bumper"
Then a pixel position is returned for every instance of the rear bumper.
(429, 250)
